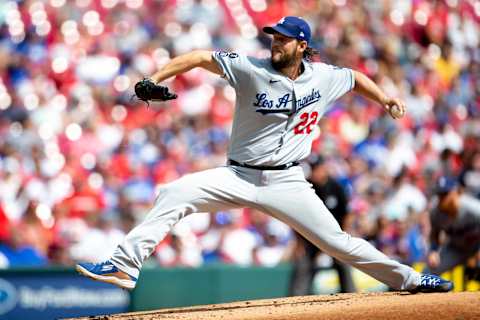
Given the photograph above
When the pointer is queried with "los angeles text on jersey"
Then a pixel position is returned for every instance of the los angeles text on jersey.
(265, 105)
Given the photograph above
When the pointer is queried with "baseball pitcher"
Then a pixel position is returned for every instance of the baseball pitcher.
(279, 102)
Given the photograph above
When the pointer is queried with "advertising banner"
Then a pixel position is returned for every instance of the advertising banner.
(52, 295)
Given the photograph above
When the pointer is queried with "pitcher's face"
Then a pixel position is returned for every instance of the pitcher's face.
(285, 50)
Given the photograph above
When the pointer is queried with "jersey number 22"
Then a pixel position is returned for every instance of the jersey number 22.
(308, 120)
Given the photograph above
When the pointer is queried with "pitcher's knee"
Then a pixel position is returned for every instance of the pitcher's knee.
(341, 244)
(332, 242)
(172, 192)
(340, 238)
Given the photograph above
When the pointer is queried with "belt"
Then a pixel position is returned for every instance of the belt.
(280, 167)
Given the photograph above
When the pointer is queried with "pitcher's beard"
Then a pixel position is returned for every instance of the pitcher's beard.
(284, 62)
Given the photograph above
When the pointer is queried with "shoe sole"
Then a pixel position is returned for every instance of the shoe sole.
(122, 283)
(439, 290)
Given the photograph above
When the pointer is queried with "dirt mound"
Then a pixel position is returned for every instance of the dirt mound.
(391, 305)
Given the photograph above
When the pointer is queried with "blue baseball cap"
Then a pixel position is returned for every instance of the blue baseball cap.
(293, 27)
(445, 184)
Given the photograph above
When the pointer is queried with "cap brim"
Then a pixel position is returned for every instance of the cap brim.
(278, 29)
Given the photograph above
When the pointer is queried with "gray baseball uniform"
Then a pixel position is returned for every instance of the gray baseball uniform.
(463, 233)
(273, 121)
(275, 115)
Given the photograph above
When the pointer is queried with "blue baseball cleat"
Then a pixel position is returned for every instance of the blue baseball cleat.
(432, 283)
(107, 272)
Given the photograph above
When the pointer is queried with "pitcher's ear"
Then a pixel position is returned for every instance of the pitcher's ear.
(303, 45)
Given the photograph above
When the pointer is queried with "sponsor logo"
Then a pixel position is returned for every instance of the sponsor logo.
(48, 297)
(273, 81)
(8, 296)
(107, 267)
(231, 55)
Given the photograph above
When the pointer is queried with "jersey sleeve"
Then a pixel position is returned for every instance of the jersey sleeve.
(340, 81)
(235, 66)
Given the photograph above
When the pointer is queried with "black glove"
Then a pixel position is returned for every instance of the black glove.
(146, 90)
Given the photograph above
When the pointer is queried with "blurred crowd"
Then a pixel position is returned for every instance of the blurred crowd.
(80, 159)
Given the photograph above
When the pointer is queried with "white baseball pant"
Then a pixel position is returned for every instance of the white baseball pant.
(284, 194)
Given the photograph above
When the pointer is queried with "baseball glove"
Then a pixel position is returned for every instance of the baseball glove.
(146, 90)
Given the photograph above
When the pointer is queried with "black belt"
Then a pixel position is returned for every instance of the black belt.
(280, 167)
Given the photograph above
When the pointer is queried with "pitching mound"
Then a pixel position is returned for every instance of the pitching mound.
(392, 305)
